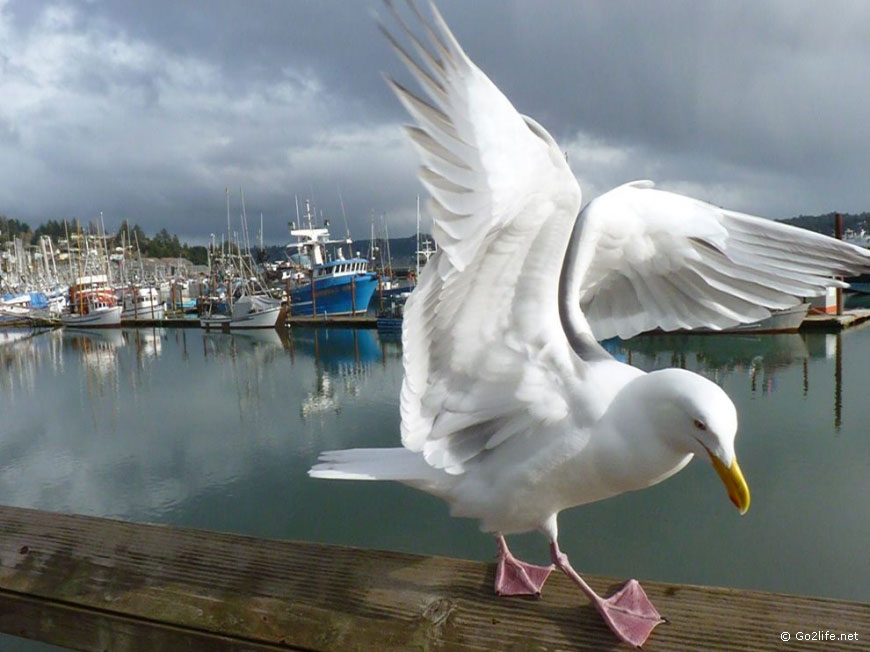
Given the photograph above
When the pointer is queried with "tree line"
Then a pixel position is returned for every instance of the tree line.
(161, 245)
(825, 223)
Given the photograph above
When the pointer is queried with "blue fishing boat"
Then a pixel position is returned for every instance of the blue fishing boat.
(318, 285)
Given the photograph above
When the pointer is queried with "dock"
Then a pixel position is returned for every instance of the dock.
(330, 321)
(99, 584)
(834, 322)
(337, 321)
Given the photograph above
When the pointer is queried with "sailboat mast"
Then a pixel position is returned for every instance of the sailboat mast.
(104, 245)
(417, 252)
(389, 256)
(227, 260)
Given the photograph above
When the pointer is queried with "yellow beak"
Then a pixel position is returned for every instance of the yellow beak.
(733, 480)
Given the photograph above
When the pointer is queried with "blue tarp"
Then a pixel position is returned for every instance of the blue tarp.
(37, 299)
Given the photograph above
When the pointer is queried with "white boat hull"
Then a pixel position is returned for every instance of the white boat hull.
(99, 318)
(262, 319)
(787, 320)
(220, 321)
(144, 313)
(248, 312)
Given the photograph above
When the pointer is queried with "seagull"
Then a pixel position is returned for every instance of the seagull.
(511, 409)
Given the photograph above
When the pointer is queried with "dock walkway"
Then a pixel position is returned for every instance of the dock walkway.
(826, 322)
(100, 584)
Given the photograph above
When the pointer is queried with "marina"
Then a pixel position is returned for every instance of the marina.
(128, 439)
(516, 429)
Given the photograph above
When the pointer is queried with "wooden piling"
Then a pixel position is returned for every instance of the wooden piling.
(838, 233)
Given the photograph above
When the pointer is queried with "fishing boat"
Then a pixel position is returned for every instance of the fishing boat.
(247, 311)
(787, 320)
(319, 286)
(238, 297)
(16, 307)
(92, 303)
(141, 304)
(214, 313)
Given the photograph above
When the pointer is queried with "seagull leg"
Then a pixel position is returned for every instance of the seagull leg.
(628, 612)
(515, 577)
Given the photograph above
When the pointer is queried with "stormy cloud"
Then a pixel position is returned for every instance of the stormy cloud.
(147, 111)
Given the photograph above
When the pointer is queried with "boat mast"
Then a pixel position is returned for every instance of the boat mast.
(105, 245)
(417, 252)
(229, 255)
(389, 256)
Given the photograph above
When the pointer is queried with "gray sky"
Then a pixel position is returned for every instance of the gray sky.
(148, 110)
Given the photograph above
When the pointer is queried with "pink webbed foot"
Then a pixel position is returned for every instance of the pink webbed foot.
(630, 614)
(515, 577)
(519, 578)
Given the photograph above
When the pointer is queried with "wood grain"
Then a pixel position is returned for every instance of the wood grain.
(99, 584)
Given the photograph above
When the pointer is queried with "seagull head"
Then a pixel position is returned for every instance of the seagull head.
(696, 416)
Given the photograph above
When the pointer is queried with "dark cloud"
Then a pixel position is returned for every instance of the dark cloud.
(147, 111)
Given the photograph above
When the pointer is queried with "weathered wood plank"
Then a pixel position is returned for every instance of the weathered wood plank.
(99, 584)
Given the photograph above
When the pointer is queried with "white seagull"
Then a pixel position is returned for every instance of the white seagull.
(511, 410)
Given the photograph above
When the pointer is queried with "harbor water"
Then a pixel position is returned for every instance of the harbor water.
(217, 431)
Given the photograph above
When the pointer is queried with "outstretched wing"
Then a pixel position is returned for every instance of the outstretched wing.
(650, 259)
(481, 335)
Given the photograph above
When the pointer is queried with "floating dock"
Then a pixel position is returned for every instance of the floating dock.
(833, 322)
(813, 322)
(338, 321)
(99, 584)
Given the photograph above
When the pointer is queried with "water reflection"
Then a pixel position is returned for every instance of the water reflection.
(216, 431)
(19, 359)
(148, 342)
(758, 357)
(343, 362)
(344, 359)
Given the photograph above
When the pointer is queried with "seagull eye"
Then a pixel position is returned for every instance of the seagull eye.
(700, 425)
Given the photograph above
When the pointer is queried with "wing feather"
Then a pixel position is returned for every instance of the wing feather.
(655, 259)
(481, 329)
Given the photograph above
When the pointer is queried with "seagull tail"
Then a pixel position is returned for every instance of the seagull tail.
(398, 464)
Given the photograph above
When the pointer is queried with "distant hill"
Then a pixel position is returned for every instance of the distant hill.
(825, 223)
(402, 249)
